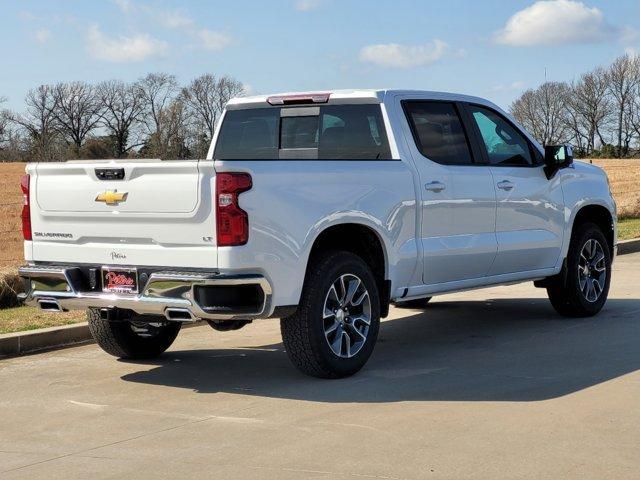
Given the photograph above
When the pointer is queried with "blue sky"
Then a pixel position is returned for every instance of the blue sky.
(492, 48)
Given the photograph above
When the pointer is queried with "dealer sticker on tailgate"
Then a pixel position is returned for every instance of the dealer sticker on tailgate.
(120, 280)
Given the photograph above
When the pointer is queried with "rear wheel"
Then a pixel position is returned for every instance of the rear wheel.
(582, 287)
(140, 337)
(334, 330)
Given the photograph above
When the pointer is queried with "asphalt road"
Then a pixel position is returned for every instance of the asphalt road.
(487, 384)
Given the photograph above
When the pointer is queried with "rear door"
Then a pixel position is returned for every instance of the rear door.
(530, 208)
(125, 212)
(458, 197)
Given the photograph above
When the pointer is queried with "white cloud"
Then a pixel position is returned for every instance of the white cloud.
(555, 22)
(174, 19)
(307, 5)
(394, 55)
(123, 49)
(27, 16)
(632, 52)
(42, 35)
(125, 5)
(215, 41)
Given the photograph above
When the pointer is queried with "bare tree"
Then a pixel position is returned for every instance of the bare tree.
(634, 114)
(171, 141)
(590, 108)
(623, 80)
(122, 109)
(205, 98)
(543, 112)
(76, 110)
(157, 92)
(38, 121)
(5, 121)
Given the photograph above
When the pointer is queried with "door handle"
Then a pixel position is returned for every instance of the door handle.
(505, 185)
(435, 186)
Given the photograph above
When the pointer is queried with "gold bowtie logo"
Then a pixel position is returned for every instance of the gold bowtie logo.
(112, 197)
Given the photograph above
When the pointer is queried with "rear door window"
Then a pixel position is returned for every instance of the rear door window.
(330, 132)
(438, 132)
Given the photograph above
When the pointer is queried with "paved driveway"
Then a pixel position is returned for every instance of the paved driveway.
(487, 384)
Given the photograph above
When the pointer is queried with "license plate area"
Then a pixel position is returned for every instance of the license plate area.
(120, 280)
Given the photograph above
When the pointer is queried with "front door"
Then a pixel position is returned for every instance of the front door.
(458, 198)
(530, 208)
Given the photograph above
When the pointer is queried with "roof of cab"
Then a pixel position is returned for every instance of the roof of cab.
(353, 96)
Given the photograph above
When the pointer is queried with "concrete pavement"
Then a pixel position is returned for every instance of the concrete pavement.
(485, 384)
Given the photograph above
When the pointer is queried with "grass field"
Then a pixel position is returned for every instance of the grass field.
(624, 176)
(629, 228)
(20, 319)
(10, 208)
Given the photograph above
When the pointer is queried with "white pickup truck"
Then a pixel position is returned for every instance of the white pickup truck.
(321, 209)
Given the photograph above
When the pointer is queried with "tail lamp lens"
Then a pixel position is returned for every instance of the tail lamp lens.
(26, 207)
(232, 221)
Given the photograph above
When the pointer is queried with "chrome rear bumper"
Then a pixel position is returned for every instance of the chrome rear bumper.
(167, 293)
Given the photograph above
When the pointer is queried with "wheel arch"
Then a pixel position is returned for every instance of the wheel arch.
(599, 214)
(362, 240)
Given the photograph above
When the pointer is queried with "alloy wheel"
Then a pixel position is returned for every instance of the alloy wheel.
(347, 315)
(592, 270)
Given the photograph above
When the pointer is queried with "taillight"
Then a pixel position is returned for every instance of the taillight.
(232, 221)
(26, 208)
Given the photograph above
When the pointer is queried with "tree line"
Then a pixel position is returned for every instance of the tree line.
(598, 113)
(153, 117)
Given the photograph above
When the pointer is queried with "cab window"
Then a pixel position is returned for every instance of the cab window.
(503, 143)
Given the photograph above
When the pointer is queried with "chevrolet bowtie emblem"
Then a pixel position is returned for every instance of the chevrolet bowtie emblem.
(112, 197)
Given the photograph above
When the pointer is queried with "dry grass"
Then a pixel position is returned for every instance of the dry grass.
(624, 176)
(11, 253)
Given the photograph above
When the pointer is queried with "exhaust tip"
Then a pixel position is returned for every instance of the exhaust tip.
(179, 315)
(49, 305)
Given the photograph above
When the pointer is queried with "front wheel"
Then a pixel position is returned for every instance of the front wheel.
(135, 339)
(334, 330)
(582, 287)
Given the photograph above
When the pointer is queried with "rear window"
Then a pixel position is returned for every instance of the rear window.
(330, 132)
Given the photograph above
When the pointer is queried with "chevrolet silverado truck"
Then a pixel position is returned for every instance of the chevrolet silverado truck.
(320, 209)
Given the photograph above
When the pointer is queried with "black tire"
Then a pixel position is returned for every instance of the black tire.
(125, 339)
(417, 303)
(564, 291)
(303, 333)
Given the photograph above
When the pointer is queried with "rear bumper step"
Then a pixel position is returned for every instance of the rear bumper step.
(178, 296)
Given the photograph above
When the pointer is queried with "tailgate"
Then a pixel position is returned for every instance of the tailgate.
(124, 212)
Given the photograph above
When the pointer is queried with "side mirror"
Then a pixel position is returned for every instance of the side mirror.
(557, 157)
